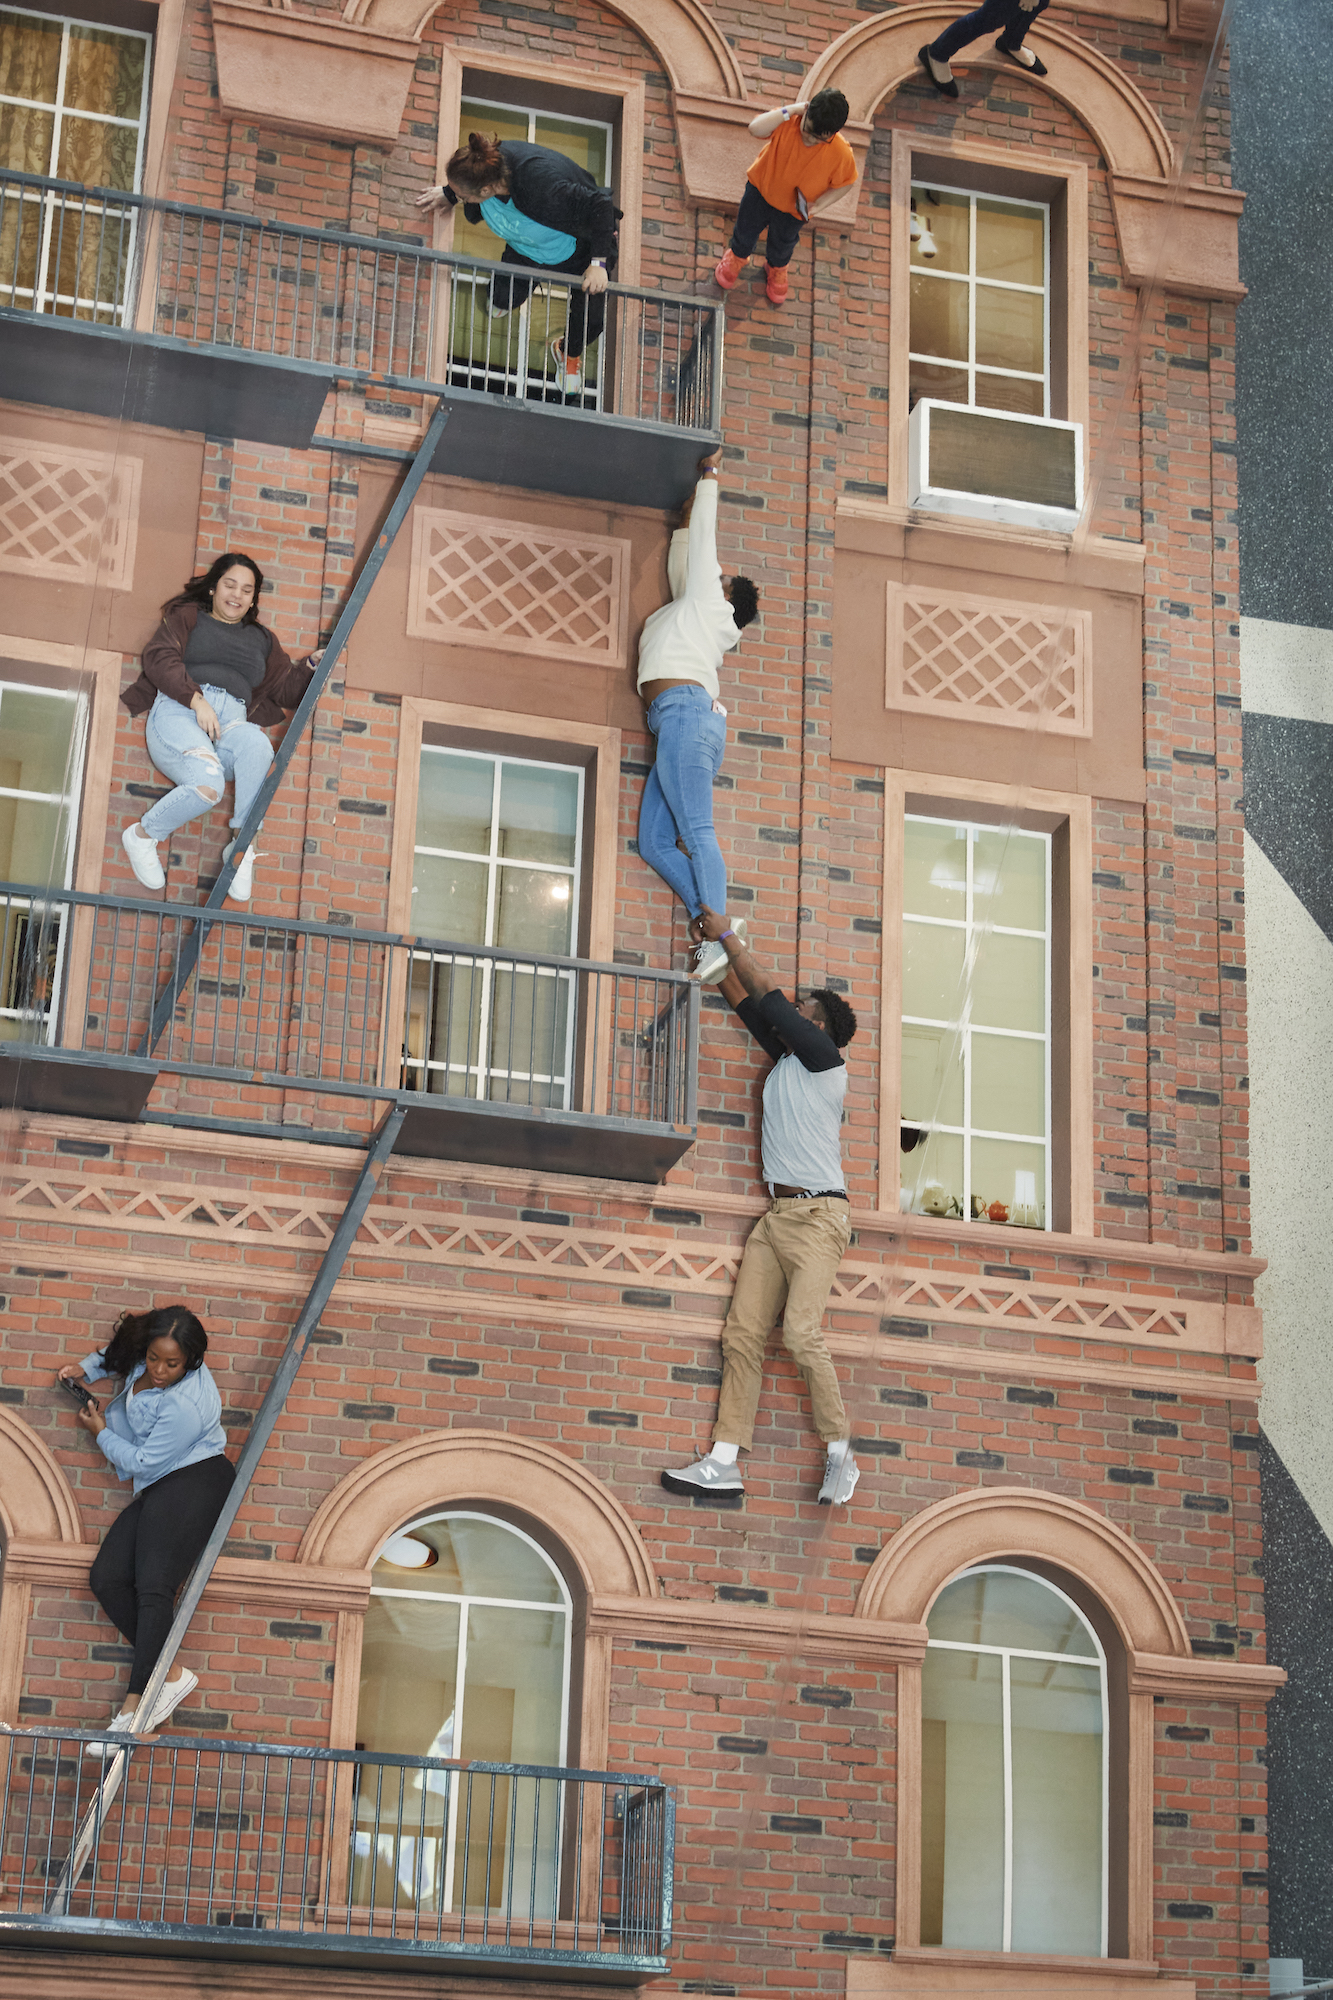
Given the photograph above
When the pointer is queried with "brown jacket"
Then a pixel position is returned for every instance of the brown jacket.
(165, 671)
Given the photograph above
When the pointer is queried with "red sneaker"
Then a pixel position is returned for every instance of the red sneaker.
(729, 268)
(775, 284)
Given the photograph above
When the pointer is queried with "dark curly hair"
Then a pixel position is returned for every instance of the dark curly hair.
(199, 590)
(828, 113)
(839, 1018)
(134, 1333)
(744, 601)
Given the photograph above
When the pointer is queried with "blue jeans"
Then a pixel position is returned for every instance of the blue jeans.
(757, 215)
(678, 798)
(182, 752)
(1005, 15)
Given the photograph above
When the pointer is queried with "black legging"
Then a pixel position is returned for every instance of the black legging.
(587, 310)
(149, 1551)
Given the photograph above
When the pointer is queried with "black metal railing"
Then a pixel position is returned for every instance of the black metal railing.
(349, 1013)
(387, 308)
(262, 1845)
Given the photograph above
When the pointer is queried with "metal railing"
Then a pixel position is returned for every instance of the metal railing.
(351, 1013)
(363, 1854)
(363, 307)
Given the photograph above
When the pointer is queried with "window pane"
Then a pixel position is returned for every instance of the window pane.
(515, 1684)
(99, 156)
(538, 813)
(473, 1558)
(474, 239)
(454, 802)
(934, 869)
(535, 911)
(36, 739)
(33, 840)
(409, 1660)
(449, 899)
(105, 72)
(933, 1172)
(939, 316)
(1008, 1085)
(1056, 1722)
(20, 243)
(1011, 243)
(1009, 983)
(29, 60)
(1009, 870)
(1023, 397)
(932, 971)
(444, 1025)
(586, 145)
(962, 1802)
(943, 384)
(1007, 1170)
(1005, 1608)
(932, 1077)
(1011, 331)
(946, 216)
(25, 141)
(529, 1048)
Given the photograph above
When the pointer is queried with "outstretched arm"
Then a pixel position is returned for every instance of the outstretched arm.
(744, 965)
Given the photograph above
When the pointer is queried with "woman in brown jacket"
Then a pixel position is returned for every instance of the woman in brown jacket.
(213, 679)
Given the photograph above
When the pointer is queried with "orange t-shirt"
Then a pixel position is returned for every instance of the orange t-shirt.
(788, 164)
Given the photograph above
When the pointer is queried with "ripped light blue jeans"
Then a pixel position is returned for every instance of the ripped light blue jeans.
(678, 798)
(183, 752)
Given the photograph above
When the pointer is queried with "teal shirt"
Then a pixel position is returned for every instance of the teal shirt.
(529, 238)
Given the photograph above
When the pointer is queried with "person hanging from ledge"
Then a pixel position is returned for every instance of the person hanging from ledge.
(214, 680)
(553, 216)
(1013, 18)
(792, 1254)
(802, 171)
(163, 1429)
(682, 647)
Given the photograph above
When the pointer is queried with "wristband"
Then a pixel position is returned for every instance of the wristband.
(724, 935)
(598, 262)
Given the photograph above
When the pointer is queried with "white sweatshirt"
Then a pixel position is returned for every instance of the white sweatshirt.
(687, 639)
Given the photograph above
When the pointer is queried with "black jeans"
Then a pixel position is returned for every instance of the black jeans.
(756, 216)
(587, 310)
(1006, 15)
(149, 1551)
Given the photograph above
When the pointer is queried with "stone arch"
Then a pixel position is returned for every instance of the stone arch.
(37, 1503)
(489, 1468)
(995, 1522)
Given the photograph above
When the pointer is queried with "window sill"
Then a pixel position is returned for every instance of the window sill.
(1026, 1962)
(927, 1970)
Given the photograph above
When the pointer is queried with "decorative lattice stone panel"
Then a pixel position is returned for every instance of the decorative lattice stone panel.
(517, 589)
(70, 516)
(987, 659)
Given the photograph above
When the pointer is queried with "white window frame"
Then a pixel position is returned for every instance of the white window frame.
(465, 1600)
(41, 298)
(71, 800)
(482, 1071)
(962, 1029)
(971, 280)
(1005, 1655)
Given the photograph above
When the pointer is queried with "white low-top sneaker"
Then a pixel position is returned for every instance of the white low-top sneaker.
(841, 1473)
(172, 1695)
(706, 1476)
(142, 853)
(243, 881)
(119, 1725)
(710, 957)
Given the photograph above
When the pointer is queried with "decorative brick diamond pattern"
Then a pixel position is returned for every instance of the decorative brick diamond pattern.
(986, 659)
(70, 516)
(517, 589)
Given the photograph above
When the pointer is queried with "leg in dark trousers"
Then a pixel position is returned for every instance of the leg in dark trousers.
(587, 313)
(757, 215)
(1003, 17)
(151, 1549)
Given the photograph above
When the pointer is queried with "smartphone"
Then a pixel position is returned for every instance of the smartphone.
(78, 1392)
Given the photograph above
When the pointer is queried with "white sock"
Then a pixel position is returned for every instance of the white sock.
(839, 1449)
(939, 70)
(725, 1454)
(1025, 56)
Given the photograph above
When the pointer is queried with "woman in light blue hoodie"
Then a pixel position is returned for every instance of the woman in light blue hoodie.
(163, 1431)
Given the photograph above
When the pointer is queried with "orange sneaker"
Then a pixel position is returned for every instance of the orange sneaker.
(729, 268)
(775, 284)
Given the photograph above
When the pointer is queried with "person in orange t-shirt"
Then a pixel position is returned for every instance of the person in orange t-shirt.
(801, 171)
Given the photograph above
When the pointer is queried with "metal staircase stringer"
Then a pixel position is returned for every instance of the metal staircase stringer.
(187, 957)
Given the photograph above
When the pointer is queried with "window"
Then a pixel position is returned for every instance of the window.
(497, 863)
(73, 104)
(1014, 1770)
(42, 734)
(511, 352)
(980, 319)
(976, 1018)
(466, 1656)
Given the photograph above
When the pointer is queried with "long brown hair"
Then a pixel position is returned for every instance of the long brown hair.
(477, 165)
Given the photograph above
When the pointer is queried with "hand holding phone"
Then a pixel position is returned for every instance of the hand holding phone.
(78, 1392)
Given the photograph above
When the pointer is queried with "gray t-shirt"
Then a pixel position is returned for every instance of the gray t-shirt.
(231, 657)
(803, 1096)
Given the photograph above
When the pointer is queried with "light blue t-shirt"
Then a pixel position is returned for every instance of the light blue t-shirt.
(529, 238)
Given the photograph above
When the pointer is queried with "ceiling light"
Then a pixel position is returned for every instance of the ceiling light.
(409, 1552)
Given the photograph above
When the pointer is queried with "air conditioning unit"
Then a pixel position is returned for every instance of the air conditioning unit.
(1024, 471)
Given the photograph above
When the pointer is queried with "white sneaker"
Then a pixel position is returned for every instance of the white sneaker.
(119, 1725)
(708, 1475)
(710, 957)
(841, 1473)
(171, 1697)
(142, 852)
(243, 881)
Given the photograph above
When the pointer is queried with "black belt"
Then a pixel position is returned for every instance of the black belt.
(807, 1194)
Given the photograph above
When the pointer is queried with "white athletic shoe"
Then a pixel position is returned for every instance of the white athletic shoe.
(706, 1476)
(841, 1473)
(710, 957)
(171, 1697)
(119, 1725)
(142, 852)
(243, 881)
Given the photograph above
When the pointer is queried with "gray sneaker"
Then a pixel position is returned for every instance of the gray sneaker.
(705, 1476)
(840, 1477)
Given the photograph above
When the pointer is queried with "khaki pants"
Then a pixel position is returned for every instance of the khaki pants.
(792, 1255)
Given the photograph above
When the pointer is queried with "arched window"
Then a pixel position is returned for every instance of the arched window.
(1014, 1773)
(465, 1655)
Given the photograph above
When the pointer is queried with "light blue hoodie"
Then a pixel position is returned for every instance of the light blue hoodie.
(159, 1430)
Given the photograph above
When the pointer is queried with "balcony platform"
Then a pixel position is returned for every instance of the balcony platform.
(541, 1141)
(68, 1084)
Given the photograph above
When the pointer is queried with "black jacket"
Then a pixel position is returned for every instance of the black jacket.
(560, 195)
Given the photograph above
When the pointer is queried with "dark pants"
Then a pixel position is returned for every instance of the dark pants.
(1003, 16)
(149, 1551)
(587, 311)
(757, 215)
